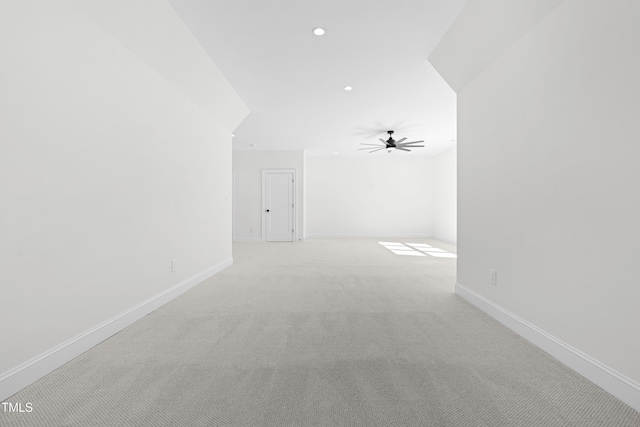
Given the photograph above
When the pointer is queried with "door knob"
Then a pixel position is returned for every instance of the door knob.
(266, 210)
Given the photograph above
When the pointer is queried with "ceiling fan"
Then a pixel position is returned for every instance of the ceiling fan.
(390, 144)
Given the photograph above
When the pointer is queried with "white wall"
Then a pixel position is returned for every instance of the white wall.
(548, 181)
(247, 171)
(357, 196)
(445, 178)
(112, 164)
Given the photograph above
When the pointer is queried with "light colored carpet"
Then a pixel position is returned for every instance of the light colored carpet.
(320, 333)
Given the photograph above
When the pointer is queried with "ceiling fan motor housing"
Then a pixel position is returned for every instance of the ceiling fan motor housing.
(391, 142)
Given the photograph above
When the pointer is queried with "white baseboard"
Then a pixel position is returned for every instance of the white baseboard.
(368, 236)
(259, 239)
(247, 239)
(18, 378)
(606, 378)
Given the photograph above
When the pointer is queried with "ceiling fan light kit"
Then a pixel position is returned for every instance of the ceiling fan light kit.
(391, 144)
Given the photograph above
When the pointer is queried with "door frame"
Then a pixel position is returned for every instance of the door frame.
(264, 201)
(233, 205)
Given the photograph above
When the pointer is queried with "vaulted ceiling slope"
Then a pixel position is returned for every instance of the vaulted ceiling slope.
(483, 30)
(152, 31)
(293, 81)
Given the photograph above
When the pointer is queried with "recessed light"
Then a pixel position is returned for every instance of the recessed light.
(318, 31)
(335, 152)
(348, 88)
(232, 135)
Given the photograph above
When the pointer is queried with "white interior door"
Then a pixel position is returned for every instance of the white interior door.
(278, 206)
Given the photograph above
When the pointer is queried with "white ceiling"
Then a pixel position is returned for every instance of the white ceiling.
(292, 81)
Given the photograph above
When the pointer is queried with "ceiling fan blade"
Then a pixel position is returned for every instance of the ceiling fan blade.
(378, 149)
(412, 146)
(364, 143)
(370, 148)
(400, 140)
(383, 141)
(402, 149)
(412, 142)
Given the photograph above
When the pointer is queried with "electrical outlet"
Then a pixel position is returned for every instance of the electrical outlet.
(493, 277)
(173, 265)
